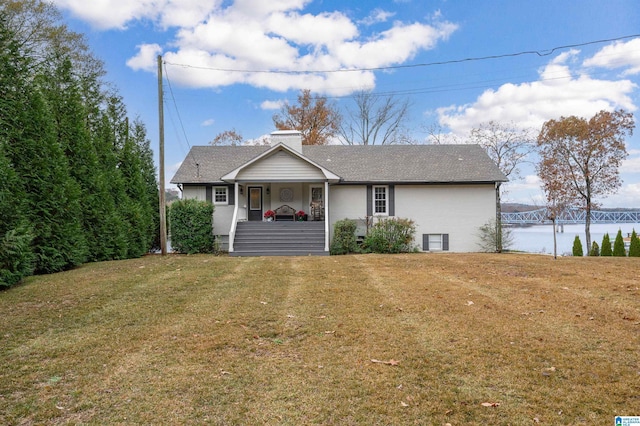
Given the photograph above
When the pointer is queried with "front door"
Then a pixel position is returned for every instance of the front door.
(255, 203)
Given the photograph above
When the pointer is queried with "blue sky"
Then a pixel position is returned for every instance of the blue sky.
(203, 40)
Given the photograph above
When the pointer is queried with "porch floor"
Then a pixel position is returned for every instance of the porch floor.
(281, 238)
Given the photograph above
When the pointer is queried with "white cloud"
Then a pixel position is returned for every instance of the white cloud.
(106, 14)
(208, 122)
(272, 105)
(216, 41)
(377, 16)
(146, 57)
(560, 91)
(632, 163)
(618, 55)
(626, 197)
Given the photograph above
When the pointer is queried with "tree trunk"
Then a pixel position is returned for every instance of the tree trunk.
(587, 226)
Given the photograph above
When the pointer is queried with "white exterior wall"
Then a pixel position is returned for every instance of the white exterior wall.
(222, 214)
(348, 202)
(195, 192)
(298, 202)
(280, 166)
(457, 210)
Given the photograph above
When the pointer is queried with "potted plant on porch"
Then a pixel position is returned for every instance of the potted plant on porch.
(269, 215)
(301, 216)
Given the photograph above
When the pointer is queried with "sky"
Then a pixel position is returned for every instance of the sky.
(460, 63)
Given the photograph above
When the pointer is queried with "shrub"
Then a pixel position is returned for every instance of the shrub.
(191, 223)
(618, 245)
(489, 237)
(577, 247)
(344, 237)
(634, 246)
(605, 248)
(595, 249)
(391, 236)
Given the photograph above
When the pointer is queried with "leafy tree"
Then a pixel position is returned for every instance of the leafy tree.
(508, 146)
(577, 247)
(618, 245)
(595, 249)
(606, 250)
(580, 158)
(228, 137)
(634, 246)
(316, 118)
(375, 120)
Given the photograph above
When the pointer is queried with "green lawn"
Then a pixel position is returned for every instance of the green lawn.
(290, 341)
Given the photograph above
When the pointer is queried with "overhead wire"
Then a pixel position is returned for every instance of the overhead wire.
(540, 53)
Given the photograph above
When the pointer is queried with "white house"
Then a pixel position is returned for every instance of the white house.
(449, 191)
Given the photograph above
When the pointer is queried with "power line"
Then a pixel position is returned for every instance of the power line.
(540, 53)
(175, 105)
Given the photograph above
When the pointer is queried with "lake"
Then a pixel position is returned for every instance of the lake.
(539, 238)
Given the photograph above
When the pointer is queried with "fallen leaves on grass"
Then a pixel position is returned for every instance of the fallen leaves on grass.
(390, 362)
(490, 404)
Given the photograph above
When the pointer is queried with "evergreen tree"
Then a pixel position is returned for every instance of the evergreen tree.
(16, 255)
(595, 249)
(618, 245)
(577, 247)
(51, 196)
(634, 246)
(605, 249)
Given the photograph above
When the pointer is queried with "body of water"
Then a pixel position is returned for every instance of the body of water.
(539, 238)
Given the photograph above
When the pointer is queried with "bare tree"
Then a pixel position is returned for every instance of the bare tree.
(436, 136)
(376, 120)
(508, 146)
(316, 118)
(580, 159)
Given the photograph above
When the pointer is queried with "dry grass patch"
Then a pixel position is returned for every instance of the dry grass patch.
(203, 339)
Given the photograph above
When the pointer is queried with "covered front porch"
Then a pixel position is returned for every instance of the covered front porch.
(280, 179)
(263, 210)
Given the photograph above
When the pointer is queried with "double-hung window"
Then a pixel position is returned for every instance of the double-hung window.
(220, 195)
(380, 200)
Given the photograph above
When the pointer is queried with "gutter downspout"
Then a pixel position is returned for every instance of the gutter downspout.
(234, 220)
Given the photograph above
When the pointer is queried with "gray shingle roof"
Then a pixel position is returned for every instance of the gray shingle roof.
(357, 163)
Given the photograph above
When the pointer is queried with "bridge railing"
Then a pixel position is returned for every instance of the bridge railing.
(573, 215)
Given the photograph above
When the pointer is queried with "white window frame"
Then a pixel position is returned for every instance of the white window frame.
(215, 194)
(386, 200)
(436, 242)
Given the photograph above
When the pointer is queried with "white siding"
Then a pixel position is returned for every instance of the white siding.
(222, 218)
(195, 192)
(222, 215)
(348, 202)
(281, 166)
(457, 210)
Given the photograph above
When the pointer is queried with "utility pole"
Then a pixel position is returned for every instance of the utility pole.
(163, 215)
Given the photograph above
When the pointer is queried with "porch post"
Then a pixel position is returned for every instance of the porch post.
(234, 221)
(326, 215)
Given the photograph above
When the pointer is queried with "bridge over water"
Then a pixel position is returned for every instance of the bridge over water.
(573, 215)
